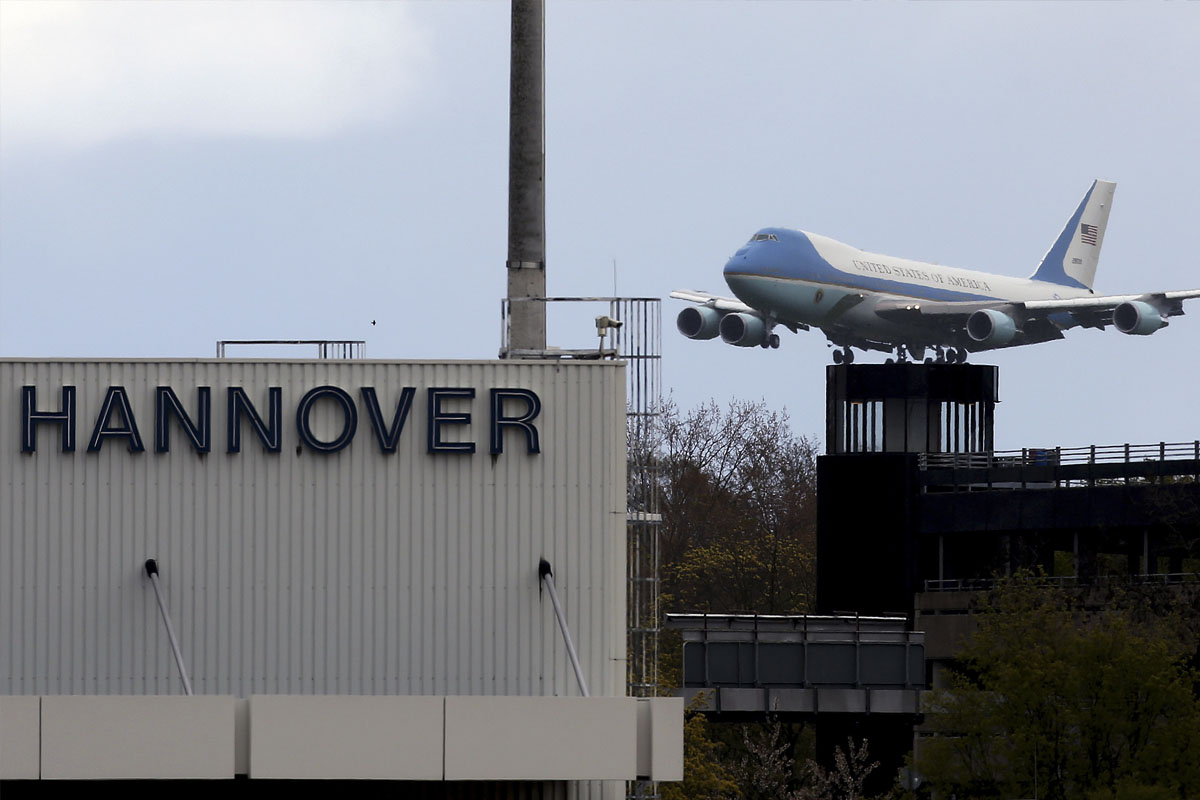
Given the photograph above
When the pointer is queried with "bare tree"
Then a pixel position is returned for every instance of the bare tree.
(851, 768)
(737, 491)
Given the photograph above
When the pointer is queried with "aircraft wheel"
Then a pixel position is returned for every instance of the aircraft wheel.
(774, 341)
(889, 361)
(837, 356)
(849, 356)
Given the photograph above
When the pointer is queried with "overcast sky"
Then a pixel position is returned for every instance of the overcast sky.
(176, 173)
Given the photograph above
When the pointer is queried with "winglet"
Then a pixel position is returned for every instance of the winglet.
(1072, 259)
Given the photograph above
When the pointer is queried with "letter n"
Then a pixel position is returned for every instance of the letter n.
(270, 433)
(167, 404)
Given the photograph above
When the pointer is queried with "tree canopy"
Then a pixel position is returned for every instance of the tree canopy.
(1057, 698)
(1060, 694)
(738, 498)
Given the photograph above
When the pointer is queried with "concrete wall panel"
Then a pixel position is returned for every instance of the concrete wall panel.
(114, 737)
(666, 738)
(20, 737)
(546, 738)
(346, 737)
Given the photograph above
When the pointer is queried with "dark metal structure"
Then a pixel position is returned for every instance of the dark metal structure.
(853, 676)
(800, 666)
(910, 408)
(944, 506)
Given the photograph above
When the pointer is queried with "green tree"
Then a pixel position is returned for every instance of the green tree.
(705, 777)
(766, 574)
(1056, 699)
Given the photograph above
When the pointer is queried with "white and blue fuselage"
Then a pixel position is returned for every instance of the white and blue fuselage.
(802, 277)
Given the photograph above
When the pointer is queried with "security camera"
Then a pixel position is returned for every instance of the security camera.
(604, 322)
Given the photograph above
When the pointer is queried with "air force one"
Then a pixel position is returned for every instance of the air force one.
(800, 280)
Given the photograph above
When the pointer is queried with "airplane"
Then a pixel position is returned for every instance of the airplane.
(800, 280)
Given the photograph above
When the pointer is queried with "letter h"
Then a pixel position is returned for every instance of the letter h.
(31, 418)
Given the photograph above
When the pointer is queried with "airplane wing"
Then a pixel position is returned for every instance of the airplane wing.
(1097, 312)
(730, 304)
(913, 311)
(1170, 302)
(1088, 311)
(1035, 327)
(713, 301)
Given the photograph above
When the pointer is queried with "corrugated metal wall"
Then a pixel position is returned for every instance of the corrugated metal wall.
(302, 572)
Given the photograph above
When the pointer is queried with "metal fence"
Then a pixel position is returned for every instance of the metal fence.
(986, 584)
(326, 348)
(1052, 456)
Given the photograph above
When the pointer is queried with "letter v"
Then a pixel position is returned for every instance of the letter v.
(388, 436)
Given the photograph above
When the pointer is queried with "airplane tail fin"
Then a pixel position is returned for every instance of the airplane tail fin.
(1072, 259)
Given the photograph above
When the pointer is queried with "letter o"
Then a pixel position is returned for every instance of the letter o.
(305, 409)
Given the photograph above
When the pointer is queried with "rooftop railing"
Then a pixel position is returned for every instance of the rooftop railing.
(1052, 456)
(985, 584)
(326, 348)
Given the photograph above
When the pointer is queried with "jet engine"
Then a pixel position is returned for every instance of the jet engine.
(699, 322)
(991, 327)
(1137, 318)
(743, 330)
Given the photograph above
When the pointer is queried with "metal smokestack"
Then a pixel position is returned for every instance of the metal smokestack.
(527, 179)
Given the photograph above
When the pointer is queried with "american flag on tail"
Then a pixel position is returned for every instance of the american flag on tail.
(1087, 234)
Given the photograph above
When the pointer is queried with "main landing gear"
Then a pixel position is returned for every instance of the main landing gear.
(902, 352)
(942, 355)
(771, 342)
(843, 356)
(948, 355)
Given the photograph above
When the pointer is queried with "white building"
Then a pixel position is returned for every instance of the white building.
(349, 554)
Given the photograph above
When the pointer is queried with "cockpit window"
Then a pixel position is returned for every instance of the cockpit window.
(764, 237)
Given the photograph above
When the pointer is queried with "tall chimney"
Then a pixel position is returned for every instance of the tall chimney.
(527, 179)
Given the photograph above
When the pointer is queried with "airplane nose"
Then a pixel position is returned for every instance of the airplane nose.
(739, 262)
